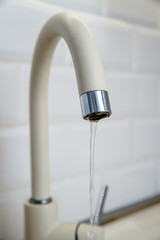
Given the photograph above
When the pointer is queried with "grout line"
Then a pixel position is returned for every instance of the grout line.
(120, 22)
(76, 176)
(68, 66)
(13, 190)
(99, 16)
(70, 122)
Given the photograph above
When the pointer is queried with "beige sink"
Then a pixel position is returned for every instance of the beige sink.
(142, 225)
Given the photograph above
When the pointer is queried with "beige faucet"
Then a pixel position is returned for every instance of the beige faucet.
(41, 221)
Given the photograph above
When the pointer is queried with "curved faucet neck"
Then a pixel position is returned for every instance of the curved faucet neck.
(90, 77)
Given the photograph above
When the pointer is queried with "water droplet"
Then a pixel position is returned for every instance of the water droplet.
(90, 235)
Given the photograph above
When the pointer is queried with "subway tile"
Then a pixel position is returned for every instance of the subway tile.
(146, 139)
(130, 184)
(113, 146)
(24, 89)
(9, 93)
(22, 23)
(64, 101)
(91, 6)
(158, 17)
(114, 41)
(60, 55)
(14, 158)
(10, 211)
(138, 12)
(132, 94)
(57, 152)
(11, 207)
(63, 96)
(77, 145)
(146, 51)
(113, 143)
(73, 197)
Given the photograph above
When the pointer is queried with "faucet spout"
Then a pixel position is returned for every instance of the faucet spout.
(41, 220)
(91, 84)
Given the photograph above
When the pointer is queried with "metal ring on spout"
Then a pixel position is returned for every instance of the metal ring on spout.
(95, 105)
(43, 201)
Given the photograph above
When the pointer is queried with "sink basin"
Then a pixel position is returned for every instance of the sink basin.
(142, 225)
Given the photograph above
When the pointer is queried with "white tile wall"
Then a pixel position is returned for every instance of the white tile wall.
(113, 144)
(24, 92)
(132, 94)
(12, 214)
(77, 144)
(141, 12)
(10, 211)
(158, 17)
(18, 37)
(130, 184)
(114, 41)
(9, 92)
(14, 158)
(146, 51)
(147, 139)
(93, 6)
(75, 192)
(57, 152)
(63, 95)
(127, 145)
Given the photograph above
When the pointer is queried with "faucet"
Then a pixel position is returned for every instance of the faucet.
(41, 221)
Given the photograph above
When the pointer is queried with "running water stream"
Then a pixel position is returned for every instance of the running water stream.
(93, 128)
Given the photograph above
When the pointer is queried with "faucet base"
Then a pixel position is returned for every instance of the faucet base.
(41, 223)
(40, 220)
